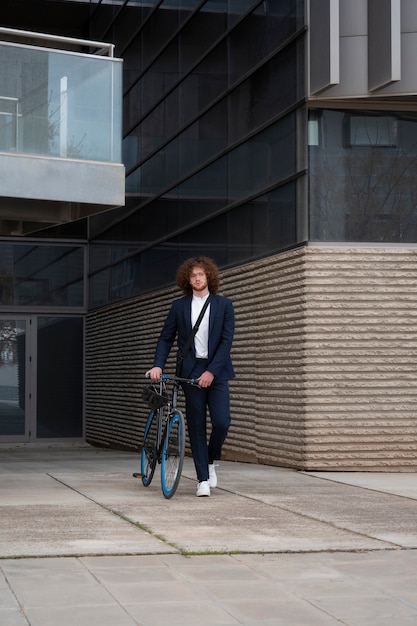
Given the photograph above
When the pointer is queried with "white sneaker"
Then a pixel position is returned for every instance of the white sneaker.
(203, 488)
(212, 476)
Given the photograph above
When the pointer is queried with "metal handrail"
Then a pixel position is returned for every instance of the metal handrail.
(102, 48)
(15, 114)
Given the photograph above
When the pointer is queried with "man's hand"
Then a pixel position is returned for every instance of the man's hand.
(154, 374)
(205, 379)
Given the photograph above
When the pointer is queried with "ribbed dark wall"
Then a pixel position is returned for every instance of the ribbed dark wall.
(119, 348)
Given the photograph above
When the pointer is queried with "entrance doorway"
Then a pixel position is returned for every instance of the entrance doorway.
(13, 400)
(41, 378)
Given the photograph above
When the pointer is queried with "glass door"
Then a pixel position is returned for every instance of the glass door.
(41, 378)
(14, 424)
(59, 387)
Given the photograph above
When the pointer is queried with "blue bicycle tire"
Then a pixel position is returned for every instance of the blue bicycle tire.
(173, 454)
(148, 457)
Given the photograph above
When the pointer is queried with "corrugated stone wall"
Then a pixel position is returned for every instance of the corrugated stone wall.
(325, 353)
(268, 396)
(361, 358)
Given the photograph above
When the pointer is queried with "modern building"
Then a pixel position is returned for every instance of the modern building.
(278, 137)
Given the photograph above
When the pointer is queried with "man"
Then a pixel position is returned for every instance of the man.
(207, 361)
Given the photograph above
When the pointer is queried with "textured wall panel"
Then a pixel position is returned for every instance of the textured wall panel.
(325, 354)
(361, 358)
(268, 402)
(119, 343)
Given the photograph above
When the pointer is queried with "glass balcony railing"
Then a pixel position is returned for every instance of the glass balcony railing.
(60, 103)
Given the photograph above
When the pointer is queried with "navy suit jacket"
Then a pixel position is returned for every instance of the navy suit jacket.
(221, 330)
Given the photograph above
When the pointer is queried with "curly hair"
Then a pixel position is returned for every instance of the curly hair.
(209, 267)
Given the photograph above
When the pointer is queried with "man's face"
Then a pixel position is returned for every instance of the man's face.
(198, 279)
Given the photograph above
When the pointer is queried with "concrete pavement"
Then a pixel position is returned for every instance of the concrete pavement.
(83, 543)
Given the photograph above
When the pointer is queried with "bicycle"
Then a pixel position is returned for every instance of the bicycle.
(164, 437)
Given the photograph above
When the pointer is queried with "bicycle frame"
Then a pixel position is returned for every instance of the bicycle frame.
(165, 411)
(164, 439)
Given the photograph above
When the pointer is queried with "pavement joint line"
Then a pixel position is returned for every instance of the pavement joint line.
(138, 525)
(390, 545)
(103, 584)
(12, 591)
(366, 488)
(141, 526)
(317, 519)
(322, 610)
(187, 552)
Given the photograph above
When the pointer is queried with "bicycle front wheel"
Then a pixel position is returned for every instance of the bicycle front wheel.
(149, 456)
(173, 454)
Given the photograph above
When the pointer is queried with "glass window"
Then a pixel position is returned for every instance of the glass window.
(260, 162)
(13, 335)
(257, 228)
(33, 275)
(99, 288)
(363, 173)
(199, 34)
(367, 130)
(210, 182)
(209, 153)
(178, 107)
(265, 225)
(262, 32)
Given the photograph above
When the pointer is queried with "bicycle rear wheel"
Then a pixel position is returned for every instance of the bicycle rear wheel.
(173, 454)
(149, 455)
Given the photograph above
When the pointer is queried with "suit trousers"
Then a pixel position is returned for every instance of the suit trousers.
(217, 399)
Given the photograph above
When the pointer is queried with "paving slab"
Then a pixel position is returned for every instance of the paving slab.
(64, 495)
(398, 483)
(40, 516)
(84, 543)
(225, 522)
(251, 589)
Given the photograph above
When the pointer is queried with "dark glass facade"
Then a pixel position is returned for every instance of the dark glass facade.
(216, 152)
(214, 92)
(34, 275)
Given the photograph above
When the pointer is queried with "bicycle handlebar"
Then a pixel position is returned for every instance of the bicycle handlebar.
(176, 379)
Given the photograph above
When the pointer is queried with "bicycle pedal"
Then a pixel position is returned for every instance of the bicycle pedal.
(137, 475)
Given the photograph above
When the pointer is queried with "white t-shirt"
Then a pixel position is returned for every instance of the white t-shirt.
(201, 336)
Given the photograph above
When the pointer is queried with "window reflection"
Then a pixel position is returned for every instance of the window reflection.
(41, 275)
(12, 377)
(363, 177)
(249, 231)
(211, 143)
(151, 117)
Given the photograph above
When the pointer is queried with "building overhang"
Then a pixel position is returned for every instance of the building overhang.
(60, 130)
(37, 191)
